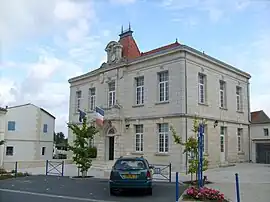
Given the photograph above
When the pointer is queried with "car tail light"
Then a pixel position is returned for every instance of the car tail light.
(148, 175)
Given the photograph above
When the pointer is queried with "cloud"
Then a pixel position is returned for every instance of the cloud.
(67, 24)
(123, 2)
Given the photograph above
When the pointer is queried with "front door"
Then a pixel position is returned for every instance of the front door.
(111, 148)
(222, 144)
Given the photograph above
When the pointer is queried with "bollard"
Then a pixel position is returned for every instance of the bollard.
(63, 165)
(237, 187)
(176, 187)
(16, 168)
(47, 164)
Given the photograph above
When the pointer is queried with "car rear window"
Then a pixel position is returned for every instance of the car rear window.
(127, 164)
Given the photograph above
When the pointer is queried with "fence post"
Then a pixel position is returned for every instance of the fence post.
(176, 187)
(63, 165)
(237, 187)
(170, 172)
(16, 168)
(47, 164)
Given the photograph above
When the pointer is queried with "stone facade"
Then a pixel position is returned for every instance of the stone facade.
(182, 66)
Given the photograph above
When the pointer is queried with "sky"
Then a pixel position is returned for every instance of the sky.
(44, 43)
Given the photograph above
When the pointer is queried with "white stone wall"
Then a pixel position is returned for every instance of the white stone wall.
(183, 102)
(28, 138)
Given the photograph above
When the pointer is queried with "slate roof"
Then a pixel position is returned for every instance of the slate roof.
(259, 117)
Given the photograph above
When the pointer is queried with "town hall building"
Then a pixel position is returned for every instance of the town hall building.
(144, 93)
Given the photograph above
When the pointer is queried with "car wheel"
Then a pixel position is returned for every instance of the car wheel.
(149, 191)
(112, 192)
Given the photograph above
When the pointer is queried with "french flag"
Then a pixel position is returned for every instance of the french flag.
(99, 116)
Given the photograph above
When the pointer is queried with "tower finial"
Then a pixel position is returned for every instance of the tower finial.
(122, 29)
(176, 41)
(129, 27)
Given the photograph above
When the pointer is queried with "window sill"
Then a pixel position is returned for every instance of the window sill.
(138, 105)
(161, 154)
(137, 153)
(203, 104)
(162, 102)
(223, 108)
(241, 153)
(240, 112)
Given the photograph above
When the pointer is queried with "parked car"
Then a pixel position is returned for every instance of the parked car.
(131, 173)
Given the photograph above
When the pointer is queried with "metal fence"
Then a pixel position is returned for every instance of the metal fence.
(162, 172)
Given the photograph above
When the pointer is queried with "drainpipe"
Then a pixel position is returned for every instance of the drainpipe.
(186, 111)
(249, 121)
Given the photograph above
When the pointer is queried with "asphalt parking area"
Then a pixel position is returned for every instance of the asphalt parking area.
(64, 189)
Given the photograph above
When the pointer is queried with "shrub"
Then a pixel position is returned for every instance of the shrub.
(204, 194)
(3, 171)
(93, 152)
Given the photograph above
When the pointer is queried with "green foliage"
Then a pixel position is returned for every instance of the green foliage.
(82, 152)
(93, 152)
(2, 142)
(191, 147)
(59, 138)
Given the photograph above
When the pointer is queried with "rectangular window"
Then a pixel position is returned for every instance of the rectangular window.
(43, 151)
(222, 94)
(11, 125)
(9, 151)
(139, 90)
(222, 138)
(239, 139)
(266, 132)
(139, 138)
(163, 78)
(112, 94)
(45, 128)
(238, 98)
(163, 137)
(92, 99)
(201, 88)
(78, 100)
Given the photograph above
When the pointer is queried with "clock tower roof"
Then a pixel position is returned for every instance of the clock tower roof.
(130, 48)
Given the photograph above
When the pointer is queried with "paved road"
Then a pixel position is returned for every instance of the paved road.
(63, 189)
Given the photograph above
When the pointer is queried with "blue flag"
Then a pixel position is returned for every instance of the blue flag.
(82, 115)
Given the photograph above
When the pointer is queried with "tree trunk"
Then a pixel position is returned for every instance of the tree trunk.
(84, 174)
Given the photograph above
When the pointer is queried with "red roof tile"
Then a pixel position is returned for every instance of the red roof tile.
(166, 47)
(130, 48)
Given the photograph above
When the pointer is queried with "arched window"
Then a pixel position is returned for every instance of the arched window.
(111, 131)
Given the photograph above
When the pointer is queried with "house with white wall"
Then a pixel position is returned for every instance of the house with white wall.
(3, 112)
(28, 134)
(144, 93)
(260, 137)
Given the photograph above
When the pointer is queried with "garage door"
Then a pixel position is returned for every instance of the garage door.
(263, 153)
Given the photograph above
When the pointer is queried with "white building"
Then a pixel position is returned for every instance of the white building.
(2, 132)
(144, 93)
(28, 134)
(260, 139)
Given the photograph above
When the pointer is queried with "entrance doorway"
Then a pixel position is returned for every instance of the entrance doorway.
(111, 148)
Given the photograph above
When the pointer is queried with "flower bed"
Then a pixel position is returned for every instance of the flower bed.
(203, 194)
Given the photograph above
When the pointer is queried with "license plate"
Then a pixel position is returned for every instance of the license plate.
(130, 176)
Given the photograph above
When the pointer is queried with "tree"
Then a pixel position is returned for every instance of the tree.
(59, 138)
(2, 142)
(82, 152)
(191, 149)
